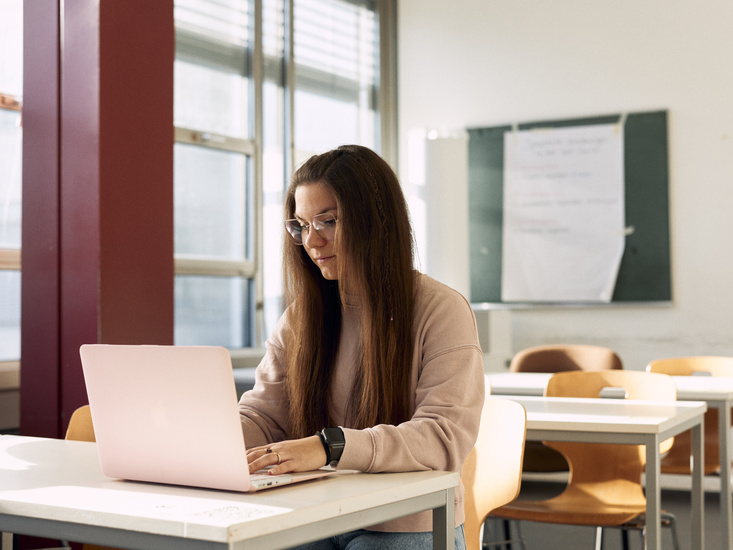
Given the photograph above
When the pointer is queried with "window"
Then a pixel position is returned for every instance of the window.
(335, 46)
(11, 82)
(213, 179)
(260, 85)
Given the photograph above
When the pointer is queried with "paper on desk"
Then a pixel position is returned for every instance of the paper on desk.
(564, 218)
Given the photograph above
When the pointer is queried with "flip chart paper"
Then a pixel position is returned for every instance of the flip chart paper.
(563, 232)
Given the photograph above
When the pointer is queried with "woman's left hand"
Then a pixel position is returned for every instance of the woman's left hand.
(294, 455)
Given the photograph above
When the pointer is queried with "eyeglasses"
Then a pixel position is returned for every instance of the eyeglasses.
(324, 224)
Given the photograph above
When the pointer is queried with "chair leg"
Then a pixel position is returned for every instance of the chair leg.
(507, 534)
(520, 538)
(672, 524)
(625, 539)
(672, 528)
(599, 538)
(507, 541)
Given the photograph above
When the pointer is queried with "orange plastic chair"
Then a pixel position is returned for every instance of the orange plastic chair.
(604, 488)
(492, 473)
(677, 461)
(558, 358)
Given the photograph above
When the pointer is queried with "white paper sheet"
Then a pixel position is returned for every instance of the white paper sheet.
(563, 228)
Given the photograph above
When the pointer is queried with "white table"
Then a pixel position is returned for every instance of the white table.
(716, 392)
(54, 488)
(626, 422)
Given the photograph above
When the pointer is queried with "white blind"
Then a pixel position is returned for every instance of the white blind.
(336, 37)
(219, 20)
(214, 33)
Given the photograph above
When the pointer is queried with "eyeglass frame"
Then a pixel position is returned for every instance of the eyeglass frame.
(328, 216)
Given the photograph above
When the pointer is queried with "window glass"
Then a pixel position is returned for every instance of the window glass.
(212, 66)
(210, 202)
(210, 100)
(335, 64)
(317, 132)
(10, 179)
(9, 315)
(11, 90)
(11, 47)
(213, 311)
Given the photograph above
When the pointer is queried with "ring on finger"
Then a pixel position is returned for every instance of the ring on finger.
(268, 450)
(278, 457)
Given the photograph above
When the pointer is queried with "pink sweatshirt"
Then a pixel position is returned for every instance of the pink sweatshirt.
(448, 384)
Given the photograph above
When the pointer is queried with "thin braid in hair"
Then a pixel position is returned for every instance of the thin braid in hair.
(382, 221)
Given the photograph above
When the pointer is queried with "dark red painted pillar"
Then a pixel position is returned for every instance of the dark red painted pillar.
(97, 192)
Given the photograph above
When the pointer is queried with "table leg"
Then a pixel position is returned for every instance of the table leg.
(697, 517)
(653, 537)
(444, 531)
(726, 514)
(7, 541)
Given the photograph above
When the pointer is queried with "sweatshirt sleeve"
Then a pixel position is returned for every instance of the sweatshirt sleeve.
(263, 409)
(448, 378)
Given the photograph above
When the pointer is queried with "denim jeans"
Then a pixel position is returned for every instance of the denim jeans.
(374, 540)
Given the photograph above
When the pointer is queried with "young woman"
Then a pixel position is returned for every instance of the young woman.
(373, 366)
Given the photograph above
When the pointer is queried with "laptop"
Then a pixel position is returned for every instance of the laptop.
(169, 414)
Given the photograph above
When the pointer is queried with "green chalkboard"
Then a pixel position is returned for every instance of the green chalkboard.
(644, 273)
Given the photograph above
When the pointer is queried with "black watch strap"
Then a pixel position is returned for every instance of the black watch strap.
(325, 447)
(333, 442)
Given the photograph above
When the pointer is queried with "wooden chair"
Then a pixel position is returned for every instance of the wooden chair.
(492, 472)
(604, 488)
(565, 357)
(558, 358)
(677, 461)
(80, 425)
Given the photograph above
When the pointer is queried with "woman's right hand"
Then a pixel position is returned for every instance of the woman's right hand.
(293, 455)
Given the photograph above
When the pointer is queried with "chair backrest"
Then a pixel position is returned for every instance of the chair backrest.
(678, 459)
(558, 358)
(492, 472)
(80, 425)
(570, 357)
(687, 366)
(638, 384)
(596, 463)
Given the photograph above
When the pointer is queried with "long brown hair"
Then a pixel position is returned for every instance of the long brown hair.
(374, 239)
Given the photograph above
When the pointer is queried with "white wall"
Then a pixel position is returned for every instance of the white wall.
(469, 63)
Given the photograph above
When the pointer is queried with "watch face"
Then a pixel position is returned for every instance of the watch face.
(334, 436)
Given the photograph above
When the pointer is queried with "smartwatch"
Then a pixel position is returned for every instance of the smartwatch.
(333, 442)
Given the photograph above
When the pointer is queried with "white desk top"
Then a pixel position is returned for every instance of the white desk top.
(607, 415)
(689, 388)
(704, 388)
(61, 481)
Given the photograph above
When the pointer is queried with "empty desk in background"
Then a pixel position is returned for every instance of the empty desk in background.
(716, 392)
(54, 488)
(626, 422)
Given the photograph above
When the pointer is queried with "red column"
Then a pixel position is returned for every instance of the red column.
(97, 192)
(40, 261)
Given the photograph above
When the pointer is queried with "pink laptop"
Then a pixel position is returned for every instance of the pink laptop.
(168, 414)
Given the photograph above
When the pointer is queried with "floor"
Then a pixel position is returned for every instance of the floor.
(539, 536)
